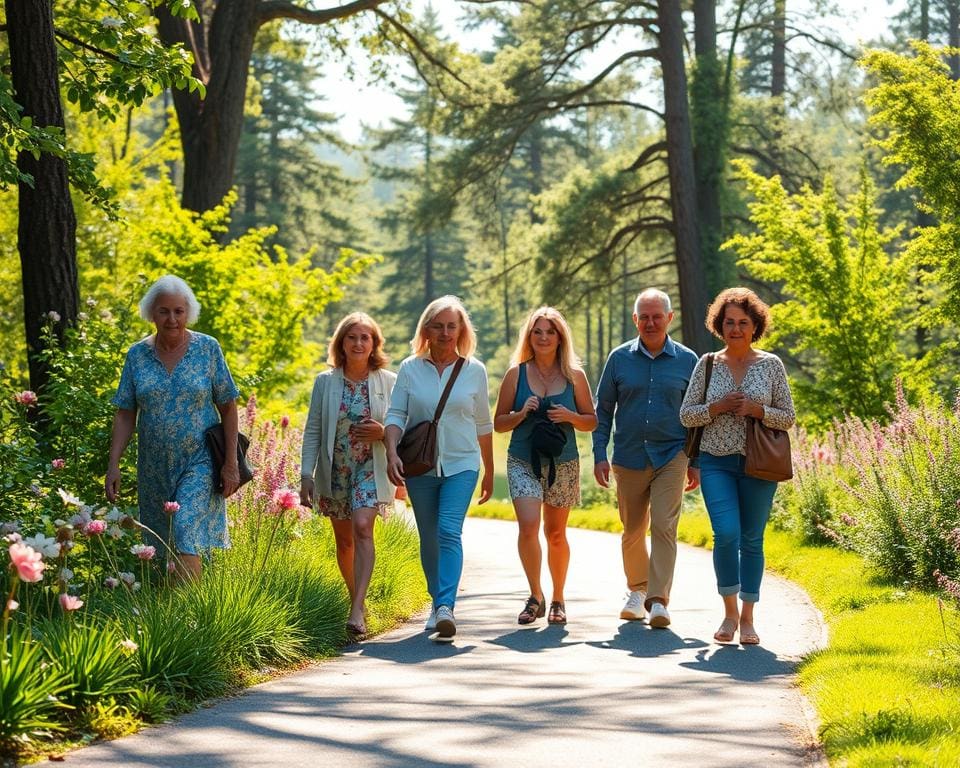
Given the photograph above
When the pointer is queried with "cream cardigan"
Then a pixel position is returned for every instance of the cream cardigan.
(319, 433)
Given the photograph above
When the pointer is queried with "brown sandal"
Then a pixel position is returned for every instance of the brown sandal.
(558, 614)
(533, 610)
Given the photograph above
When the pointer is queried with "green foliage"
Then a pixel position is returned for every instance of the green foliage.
(109, 57)
(89, 656)
(916, 103)
(845, 296)
(29, 690)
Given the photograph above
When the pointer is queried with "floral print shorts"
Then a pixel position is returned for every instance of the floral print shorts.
(565, 491)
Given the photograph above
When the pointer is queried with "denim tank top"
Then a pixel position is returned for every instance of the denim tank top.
(520, 437)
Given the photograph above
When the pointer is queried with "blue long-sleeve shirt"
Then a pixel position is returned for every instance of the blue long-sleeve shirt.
(643, 394)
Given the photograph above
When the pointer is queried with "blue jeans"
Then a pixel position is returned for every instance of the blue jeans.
(739, 507)
(439, 506)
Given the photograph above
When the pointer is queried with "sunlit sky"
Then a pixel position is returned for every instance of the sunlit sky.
(359, 101)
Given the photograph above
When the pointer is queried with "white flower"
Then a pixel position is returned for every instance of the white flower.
(47, 546)
(128, 645)
(113, 515)
(82, 316)
(66, 574)
(69, 499)
(91, 302)
(115, 532)
(55, 316)
(107, 22)
(127, 578)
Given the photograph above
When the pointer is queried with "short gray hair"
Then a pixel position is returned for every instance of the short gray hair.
(169, 285)
(653, 293)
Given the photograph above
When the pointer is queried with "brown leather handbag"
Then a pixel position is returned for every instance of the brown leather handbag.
(417, 448)
(695, 434)
(768, 452)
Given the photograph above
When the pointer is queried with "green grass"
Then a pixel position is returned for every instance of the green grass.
(887, 687)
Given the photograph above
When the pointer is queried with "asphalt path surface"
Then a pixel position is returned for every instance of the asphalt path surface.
(598, 692)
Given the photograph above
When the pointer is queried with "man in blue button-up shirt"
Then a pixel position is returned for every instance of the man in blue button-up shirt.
(642, 386)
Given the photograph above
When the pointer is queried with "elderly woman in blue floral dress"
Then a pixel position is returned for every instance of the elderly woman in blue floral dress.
(174, 386)
(343, 464)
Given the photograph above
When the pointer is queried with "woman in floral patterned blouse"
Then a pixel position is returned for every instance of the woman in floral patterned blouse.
(745, 382)
(343, 464)
(174, 385)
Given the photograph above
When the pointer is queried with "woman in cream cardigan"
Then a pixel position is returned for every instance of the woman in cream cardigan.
(343, 462)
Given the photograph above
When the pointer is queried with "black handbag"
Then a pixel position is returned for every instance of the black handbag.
(546, 439)
(216, 444)
(695, 434)
(417, 448)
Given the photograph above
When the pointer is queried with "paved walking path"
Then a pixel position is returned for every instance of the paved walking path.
(600, 692)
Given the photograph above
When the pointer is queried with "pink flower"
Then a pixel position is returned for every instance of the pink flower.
(69, 602)
(26, 398)
(95, 528)
(111, 583)
(284, 422)
(171, 507)
(58, 463)
(285, 499)
(143, 551)
(12, 605)
(28, 562)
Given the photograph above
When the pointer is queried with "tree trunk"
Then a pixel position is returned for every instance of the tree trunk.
(211, 127)
(683, 197)
(953, 19)
(46, 235)
(778, 55)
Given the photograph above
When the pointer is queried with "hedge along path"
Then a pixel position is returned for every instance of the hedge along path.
(588, 694)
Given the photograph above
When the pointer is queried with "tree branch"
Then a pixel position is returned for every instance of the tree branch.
(92, 48)
(268, 10)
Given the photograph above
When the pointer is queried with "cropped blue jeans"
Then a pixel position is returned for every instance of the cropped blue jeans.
(440, 506)
(739, 507)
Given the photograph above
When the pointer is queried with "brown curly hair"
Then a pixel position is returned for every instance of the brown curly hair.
(748, 301)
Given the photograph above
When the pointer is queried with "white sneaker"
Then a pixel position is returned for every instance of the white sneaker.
(659, 616)
(446, 624)
(633, 609)
(431, 623)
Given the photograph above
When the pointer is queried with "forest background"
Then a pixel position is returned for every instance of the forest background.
(582, 153)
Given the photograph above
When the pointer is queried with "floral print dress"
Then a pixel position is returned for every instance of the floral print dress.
(352, 481)
(173, 463)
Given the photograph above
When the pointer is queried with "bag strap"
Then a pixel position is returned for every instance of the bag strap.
(707, 374)
(446, 390)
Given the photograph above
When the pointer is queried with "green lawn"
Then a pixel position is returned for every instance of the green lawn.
(887, 688)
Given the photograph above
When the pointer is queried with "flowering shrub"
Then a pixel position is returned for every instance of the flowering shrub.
(891, 492)
(810, 505)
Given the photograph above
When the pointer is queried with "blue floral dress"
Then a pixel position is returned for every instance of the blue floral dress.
(173, 463)
(351, 482)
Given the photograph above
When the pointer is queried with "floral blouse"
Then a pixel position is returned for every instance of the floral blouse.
(765, 382)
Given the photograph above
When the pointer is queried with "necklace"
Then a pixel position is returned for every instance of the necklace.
(555, 374)
(172, 350)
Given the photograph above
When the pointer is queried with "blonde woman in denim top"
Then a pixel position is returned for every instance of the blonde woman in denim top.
(544, 381)
(745, 382)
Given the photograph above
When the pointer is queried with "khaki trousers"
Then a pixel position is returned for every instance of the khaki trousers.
(651, 499)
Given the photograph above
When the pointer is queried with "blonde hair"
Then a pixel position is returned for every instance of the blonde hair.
(335, 355)
(566, 356)
(466, 342)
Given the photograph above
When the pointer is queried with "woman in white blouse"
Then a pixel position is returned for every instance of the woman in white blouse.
(343, 462)
(464, 443)
(745, 382)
